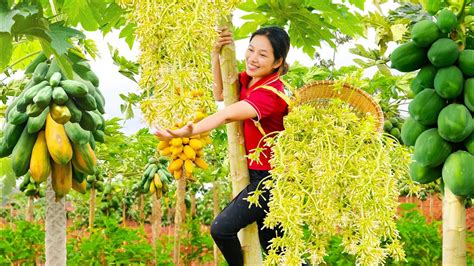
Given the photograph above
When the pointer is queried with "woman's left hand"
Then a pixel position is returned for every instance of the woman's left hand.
(165, 134)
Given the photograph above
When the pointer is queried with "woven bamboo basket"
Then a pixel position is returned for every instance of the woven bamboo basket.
(319, 92)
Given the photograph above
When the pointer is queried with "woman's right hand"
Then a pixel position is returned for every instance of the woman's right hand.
(225, 37)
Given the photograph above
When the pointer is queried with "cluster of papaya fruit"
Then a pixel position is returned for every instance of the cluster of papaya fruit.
(109, 202)
(55, 118)
(155, 178)
(440, 126)
(393, 126)
(185, 152)
(30, 187)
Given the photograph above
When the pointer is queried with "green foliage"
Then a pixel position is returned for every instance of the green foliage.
(309, 22)
(421, 240)
(110, 245)
(24, 242)
(197, 244)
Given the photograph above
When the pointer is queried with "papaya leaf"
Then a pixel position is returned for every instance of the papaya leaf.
(91, 47)
(112, 18)
(248, 6)
(7, 179)
(79, 11)
(6, 18)
(7, 49)
(60, 36)
(128, 32)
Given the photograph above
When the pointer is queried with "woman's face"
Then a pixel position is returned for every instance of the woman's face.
(259, 58)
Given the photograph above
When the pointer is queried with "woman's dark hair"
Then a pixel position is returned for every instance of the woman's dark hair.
(280, 42)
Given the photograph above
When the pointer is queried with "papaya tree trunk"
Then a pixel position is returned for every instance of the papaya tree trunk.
(55, 239)
(124, 214)
(248, 236)
(30, 209)
(92, 197)
(141, 208)
(454, 229)
(179, 217)
(155, 219)
(216, 210)
(193, 204)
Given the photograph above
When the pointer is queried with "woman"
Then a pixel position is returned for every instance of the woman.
(262, 110)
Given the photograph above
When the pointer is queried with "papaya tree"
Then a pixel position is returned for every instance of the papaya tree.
(440, 49)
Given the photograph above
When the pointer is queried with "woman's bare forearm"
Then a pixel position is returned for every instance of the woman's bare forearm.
(217, 86)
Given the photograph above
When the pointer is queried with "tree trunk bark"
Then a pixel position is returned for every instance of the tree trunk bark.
(193, 204)
(141, 208)
(216, 210)
(124, 214)
(92, 197)
(454, 229)
(155, 218)
(30, 209)
(238, 162)
(55, 239)
(179, 217)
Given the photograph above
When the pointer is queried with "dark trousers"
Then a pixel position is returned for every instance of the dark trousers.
(238, 215)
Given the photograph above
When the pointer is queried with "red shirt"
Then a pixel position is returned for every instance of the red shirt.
(270, 110)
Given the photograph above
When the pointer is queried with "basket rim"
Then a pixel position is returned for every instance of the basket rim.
(378, 110)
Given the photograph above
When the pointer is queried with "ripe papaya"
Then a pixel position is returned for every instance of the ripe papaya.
(58, 143)
(201, 163)
(176, 165)
(21, 154)
(408, 57)
(61, 179)
(80, 187)
(84, 159)
(40, 165)
(60, 113)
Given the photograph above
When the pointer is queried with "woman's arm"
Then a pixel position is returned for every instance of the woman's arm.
(225, 37)
(217, 86)
(235, 112)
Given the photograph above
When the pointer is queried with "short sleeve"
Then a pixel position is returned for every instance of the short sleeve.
(263, 101)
